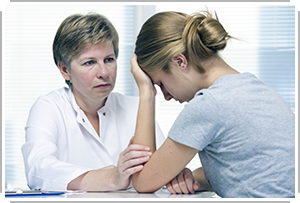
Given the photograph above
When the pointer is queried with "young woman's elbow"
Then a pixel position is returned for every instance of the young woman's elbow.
(142, 187)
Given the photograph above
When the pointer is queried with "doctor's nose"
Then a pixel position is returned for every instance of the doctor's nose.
(102, 71)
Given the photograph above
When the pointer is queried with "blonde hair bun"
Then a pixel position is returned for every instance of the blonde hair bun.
(204, 35)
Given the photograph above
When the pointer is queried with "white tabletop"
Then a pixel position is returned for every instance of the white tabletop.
(131, 193)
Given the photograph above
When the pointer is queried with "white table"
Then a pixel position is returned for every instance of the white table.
(131, 193)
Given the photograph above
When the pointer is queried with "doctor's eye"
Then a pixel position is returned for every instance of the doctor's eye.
(108, 60)
(88, 63)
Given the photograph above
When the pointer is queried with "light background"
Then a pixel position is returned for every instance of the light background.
(31, 50)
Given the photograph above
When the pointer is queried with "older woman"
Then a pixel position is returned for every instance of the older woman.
(80, 137)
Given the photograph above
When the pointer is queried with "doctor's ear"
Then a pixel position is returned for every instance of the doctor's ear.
(63, 70)
(180, 60)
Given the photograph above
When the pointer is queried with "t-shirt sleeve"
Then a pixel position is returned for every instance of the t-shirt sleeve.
(199, 123)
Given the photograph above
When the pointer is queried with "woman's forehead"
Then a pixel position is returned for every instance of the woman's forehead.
(156, 75)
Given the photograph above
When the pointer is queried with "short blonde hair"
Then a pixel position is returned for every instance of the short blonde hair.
(168, 34)
(79, 31)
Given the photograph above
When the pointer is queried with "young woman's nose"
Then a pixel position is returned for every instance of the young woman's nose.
(166, 94)
(102, 71)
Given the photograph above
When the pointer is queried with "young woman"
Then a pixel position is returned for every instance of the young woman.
(243, 131)
(79, 137)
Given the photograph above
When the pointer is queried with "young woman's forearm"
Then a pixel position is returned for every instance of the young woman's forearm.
(145, 125)
(145, 129)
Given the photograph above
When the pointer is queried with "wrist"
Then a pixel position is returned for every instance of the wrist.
(147, 94)
(115, 181)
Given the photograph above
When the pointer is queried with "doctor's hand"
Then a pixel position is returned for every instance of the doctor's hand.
(143, 81)
(184, 182)
(131, 160)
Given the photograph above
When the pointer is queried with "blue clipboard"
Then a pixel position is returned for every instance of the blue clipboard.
(20, 193)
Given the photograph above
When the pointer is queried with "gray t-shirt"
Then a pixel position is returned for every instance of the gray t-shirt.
(245, 134)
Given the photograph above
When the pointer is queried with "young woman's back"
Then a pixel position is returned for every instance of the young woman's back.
(244, 132)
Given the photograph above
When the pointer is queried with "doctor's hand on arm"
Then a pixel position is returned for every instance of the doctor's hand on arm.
(111, 178)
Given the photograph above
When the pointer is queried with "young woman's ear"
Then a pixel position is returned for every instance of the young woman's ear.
(63, 70)
(181, 61)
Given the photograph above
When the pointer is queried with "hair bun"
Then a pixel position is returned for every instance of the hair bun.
(204, 35)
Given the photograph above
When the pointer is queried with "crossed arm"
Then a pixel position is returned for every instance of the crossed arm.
(171, 158)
